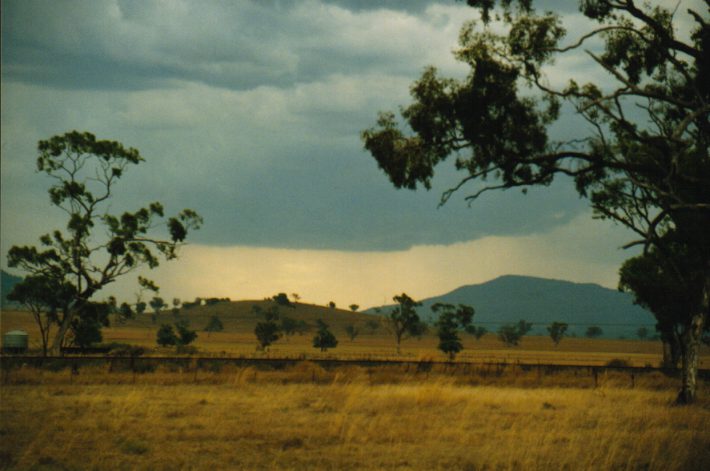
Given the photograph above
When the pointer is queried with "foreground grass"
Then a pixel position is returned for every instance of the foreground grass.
(343, 422)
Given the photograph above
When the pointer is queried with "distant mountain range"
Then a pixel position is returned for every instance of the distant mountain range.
(510, 298)
(7, 281)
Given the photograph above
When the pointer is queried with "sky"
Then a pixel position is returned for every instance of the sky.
(250, 112)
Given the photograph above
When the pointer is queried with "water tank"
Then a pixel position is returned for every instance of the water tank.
(15, 341)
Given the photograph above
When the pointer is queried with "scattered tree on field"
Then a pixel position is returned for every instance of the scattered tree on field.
(125, 312)
(643, 160)
(141, 307)
(296, 297)
(165, 336)
(331, 305)
(593, 331)
(354, 307)
(267, 331)
(266, 334)
(288, 326)
(352, 331)
(282, 300)
(213, 301)
(157, 304)
(214, 325)
(324, 338)
(557, 330)
(85, 171)
(477, 332)
(451, 319)
(178, 334)
(176, 307)
(511, 334)
(403, 321)
(185, 335)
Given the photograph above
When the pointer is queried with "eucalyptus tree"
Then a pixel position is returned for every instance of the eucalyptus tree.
(324, 338)
(671, 295)
(451, 319)
(44, 297)
(403, 321)
(557, 331)
(96, 247)
(641, 157)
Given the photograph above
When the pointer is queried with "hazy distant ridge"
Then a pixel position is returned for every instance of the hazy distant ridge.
(542, 301)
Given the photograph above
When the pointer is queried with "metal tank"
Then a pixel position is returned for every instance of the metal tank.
(15, 341)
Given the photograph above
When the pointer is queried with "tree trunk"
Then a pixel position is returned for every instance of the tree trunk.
(667, 354)
(671, 349)
(690, 346)
(61, 332)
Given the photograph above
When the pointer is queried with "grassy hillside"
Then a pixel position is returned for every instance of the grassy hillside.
(239, 315)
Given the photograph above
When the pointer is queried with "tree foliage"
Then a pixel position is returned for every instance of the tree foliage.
(178, 334)
(324, 338)
(165, 336)
(86, 327)
(593, 331)
(185, 335)
(670, 289)
(477, 332)
(352, 331)
(214, 324)
(282, 300)
(288, 325)
(557, 331)
(96, 247)
(403, 320)
(267, 331)
(157, 303)
(451, 319)
(642, 159)
(45, 297)
(511, 334)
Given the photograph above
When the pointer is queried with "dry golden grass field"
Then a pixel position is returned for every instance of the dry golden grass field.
(349, 417)
(309, 418)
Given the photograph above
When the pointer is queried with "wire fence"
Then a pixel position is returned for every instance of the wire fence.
(137, 365)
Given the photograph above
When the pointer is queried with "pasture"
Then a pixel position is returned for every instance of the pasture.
(238, 339)
(308, 418)
(305, 416)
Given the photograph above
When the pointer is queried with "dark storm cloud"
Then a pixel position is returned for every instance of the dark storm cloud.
(249, 112)
(130, 45)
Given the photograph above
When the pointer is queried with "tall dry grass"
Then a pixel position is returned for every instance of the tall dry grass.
(309, 418)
